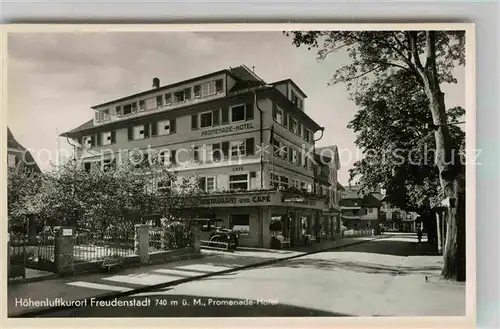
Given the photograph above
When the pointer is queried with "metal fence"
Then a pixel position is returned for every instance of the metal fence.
(163, 239)
(95, 246)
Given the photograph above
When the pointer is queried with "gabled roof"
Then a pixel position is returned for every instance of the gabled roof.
(13, 143)
(293, 84)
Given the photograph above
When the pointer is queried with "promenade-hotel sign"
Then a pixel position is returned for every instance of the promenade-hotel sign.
(228, 129)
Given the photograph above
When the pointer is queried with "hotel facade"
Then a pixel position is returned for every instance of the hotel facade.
(249, 144)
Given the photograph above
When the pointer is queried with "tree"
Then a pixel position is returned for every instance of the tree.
(21, 186)
(428, 56)
(111, 198)
(391, 131)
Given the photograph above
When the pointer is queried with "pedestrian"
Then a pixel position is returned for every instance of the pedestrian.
(419, 234)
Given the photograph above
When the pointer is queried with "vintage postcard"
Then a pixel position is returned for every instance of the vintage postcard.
(202, 173)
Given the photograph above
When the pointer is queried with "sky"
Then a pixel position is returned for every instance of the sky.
(54, 79)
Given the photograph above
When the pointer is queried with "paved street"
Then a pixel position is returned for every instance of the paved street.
(380, 278)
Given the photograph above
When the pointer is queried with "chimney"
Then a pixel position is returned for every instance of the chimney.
(156, 83)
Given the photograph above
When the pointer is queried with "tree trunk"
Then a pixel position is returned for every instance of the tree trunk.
(451, 170)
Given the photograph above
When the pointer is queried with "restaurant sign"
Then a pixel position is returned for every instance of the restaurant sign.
(226, 130)
(236, 200)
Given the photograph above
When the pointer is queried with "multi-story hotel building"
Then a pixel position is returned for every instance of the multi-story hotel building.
(247, 142)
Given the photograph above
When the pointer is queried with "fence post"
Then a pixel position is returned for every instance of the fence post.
(141, 242)
(196, 239)
(64, 249)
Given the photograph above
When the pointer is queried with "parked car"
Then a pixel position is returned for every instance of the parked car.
(225, 235)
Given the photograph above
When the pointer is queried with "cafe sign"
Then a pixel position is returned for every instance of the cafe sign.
(228, 129)
(236, 200)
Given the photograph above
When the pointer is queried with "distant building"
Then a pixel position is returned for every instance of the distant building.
(18, 155)
(360, 211)
(396, 219)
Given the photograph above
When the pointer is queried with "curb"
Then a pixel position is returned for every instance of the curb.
(113, 295)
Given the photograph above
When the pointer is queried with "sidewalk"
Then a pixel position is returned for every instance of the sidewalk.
(30, 298)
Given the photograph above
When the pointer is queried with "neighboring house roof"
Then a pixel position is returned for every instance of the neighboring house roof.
(12, 143)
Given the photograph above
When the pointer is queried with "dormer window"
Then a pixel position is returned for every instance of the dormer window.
(127, 109)
(159, 101)
(296, 100)
(168, 99)
(179, 96)
(142, 105)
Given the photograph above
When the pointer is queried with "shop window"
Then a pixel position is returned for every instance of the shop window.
(238, 182)
(240, 223)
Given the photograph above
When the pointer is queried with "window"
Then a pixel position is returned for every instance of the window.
(127, 109)
(196, 153)
(164, 127)
(240, 223)
(284, 181)
(237, 148)
(306, 135)
(219, 85)
(87, 166)
(294, 126)
(87, 142)
(108, 138)
(134, 107)
(275, 180)
(237, 113)
(295, 183)
(303, 185)
(207, 153)
(299, 129)
(194, 122)
(139, 132)
(279, 116)
(295, 156)
(216, 117)
(159, 101)
(207, 183)
(118, 111)
(104, 115)
(284, 152)
(225, 116)
(11, 160)
(168, 99)
(205, 89)
(276, 147)
(173, 157)
(216, 152)
(238, 182)
(206, 120)
(179, 96)
(142, 105)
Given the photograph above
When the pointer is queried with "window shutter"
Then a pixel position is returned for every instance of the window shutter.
(249, 112)
(173, 128)
(225, 116)
(285, 119)
(216, 117)
(187, 93)
(275, 111)
(194, 122)
(146, 130)
(172, 156)
(290, 154)
(250, 146)
(225, 148)
(154, 128)
(113, 137)
(118, 111)
(218, 85)
(92, 140)
(130, 133)
(202, 183)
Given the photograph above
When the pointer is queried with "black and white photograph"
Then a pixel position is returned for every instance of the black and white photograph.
(294, 171)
